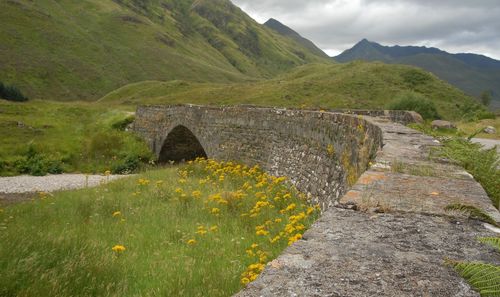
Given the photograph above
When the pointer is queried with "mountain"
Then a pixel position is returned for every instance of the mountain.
(471, 73)
(69, 50)
(286, 31)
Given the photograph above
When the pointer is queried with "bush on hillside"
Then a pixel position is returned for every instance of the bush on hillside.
(415, 102)
(11, 93)
(475, 112)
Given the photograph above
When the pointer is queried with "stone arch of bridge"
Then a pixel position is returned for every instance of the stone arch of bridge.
(180, 145)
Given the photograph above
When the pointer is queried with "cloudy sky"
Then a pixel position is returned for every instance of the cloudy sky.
(336, 25)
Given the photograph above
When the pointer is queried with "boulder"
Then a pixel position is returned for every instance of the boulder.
(439, 124)
(416, 117)
(490, 130)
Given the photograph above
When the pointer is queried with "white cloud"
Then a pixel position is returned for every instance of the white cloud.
(335, 25)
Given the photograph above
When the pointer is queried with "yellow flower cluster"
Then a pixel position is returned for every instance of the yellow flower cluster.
(267, 204)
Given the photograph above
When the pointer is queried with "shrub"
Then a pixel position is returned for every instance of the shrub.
(415, 102)
(126, 164)
(472, 111)
(11, 93)
(38, 164)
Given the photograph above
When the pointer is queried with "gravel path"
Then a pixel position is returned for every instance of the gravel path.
(487, 143)
(50, 183)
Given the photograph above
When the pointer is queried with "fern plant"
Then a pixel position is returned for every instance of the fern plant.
(493, 241)
(483, 277)
(472, 212)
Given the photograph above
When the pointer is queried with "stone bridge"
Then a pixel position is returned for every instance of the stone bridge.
(384, 230)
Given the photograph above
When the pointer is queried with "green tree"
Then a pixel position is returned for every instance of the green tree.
(485, 98)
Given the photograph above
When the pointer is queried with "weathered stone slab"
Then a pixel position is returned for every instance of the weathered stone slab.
(351, 253)
(422, 194)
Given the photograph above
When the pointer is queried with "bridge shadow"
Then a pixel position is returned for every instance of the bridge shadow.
(181, 145)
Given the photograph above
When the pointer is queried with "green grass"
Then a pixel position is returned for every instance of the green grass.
(482, 164)
(80, 136)
(186, 231)
(352, 85)
(469, 128)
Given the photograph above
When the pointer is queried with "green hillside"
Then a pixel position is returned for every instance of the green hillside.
(68, 50)
(350, 85)
(471, 73)
(289, 32)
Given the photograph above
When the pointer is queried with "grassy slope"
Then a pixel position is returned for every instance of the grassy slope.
(66, 50)
(472, 128)
(62, 245)
(65, 132)
(472, 78)
(351, 85)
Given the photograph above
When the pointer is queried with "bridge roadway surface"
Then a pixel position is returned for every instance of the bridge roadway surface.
(354, 250)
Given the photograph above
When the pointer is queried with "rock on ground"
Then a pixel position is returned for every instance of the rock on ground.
(442, 124)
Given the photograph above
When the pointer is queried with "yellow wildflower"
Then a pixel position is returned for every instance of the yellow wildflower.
(300, 227)
(289, 228)
(291, 207)
(215, 210)
(196, 194)
(245, 281)
(254, 246)
(214, 229)
(118, 248)
(330, 149)
(275, 239)
(191, 242)
(293, 239)
(143, 182)
(117, 213)
(262, 232)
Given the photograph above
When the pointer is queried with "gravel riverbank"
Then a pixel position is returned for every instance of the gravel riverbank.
(20, 187)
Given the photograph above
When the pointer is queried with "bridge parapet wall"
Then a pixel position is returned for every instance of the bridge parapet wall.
(322, 153)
